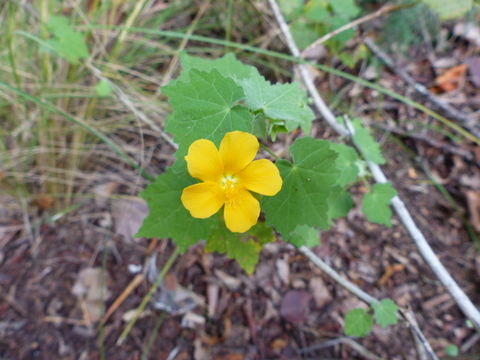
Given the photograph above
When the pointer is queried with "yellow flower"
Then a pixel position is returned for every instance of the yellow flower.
(228, 175)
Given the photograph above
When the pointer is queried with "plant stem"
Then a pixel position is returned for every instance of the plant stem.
(149, 295)
(154, 334)
(267, 149)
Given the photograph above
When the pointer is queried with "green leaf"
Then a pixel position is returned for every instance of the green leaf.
(239, 247)
(167, 217)
(206, 106)
(307, 184)
(103, 88)
(291, 7)
(286, 102)
(346, 162)
(338, 41)
(316, 10)
(67, 42)
(304, 235)
(367, 144)
(450, 9)
(340, 203)
(345, 8)
(376, 204)
(385, 312)
(228, 66)
(262, 233)
(358, 323)
(451, 350)
(303, 33)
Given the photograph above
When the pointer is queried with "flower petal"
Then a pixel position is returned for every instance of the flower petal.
(237, 150)
(203, 199)
(261, 176)
(203, 161)
(242, 212)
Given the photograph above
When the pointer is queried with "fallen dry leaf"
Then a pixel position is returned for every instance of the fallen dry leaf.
(103, 192)
(320, 292)
(278, 344)
(450, 79)
(44, 202)
(283, 271)
(231, 282)
(128, 215)
(294, 306)
(90, 289)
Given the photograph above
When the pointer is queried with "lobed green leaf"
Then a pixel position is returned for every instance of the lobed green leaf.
(367, 144)
(376, 204)
(307, 185)
(385, 312)
(67, 42)
(304, 235)
(358, 323)
(205, 106)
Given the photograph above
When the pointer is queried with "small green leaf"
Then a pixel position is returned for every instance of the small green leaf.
(228, 66)
(286, 102)
(103, 88)
(206, 106)
(304, 235)
(167, 217)
(316, 11)
(67, 42)
(358, 323)
(307, 184)
(451, 350)
(367, 144)
(303, 33)
(450, 9)
(346, 162)
(239, 247)
(385, 312)
(345, 8)
(376, 204)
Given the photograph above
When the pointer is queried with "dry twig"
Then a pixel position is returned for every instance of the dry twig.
(466, 121)
(462, 300)
(384, 10)
(367, 298)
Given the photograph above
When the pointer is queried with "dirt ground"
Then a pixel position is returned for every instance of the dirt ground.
(54, 275)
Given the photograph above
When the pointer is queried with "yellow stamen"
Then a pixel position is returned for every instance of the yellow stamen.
(230, 185)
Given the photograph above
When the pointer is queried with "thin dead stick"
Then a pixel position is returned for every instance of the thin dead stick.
(367, 354)
(365, 297)
(466, 121)
(173, 63)
(384, 10)
(467, 155)
(137, 280)
(462, 300)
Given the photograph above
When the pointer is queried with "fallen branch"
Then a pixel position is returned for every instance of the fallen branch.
(462, 300)
(466, 121)
(367, 298)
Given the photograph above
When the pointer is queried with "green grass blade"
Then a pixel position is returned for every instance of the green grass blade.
(274, 54)
(82, 124)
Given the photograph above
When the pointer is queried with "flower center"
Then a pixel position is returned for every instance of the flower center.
(229, 184)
